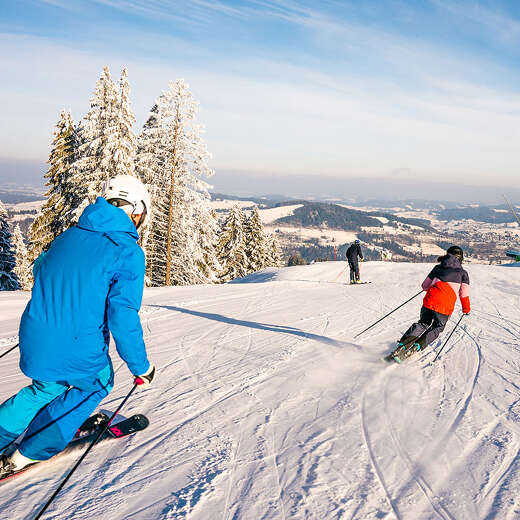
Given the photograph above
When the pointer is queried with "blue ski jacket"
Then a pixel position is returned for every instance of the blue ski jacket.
(88, 283)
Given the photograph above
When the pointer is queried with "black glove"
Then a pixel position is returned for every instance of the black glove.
(145, 380)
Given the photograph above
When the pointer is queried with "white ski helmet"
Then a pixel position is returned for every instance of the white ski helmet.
(129, 194)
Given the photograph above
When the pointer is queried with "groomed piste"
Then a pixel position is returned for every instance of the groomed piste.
(266, 407)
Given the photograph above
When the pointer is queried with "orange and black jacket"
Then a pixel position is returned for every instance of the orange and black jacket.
(442, 285)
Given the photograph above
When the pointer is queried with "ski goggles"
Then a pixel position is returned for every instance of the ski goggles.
(129, 208)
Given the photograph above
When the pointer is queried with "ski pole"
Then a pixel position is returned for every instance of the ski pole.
(451, 333)
(85, 453)
(7, 351)
(340, 274)
(386, 315)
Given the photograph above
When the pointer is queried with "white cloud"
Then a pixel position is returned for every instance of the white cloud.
(429, 112)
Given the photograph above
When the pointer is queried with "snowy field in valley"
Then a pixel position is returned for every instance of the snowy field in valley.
(268, 216)
(266, 407)
(325, 236)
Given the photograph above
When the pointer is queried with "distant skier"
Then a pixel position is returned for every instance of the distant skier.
(88, 283)
(445, 281)
(353, 252)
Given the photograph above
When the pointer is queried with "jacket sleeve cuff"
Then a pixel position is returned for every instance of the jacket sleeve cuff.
(426, 284)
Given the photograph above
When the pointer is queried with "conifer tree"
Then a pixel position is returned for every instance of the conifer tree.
(125, 142)
(209, 264)
(98, 154)
(275, 254)
(257, 250)
(55, 214)
(187, 163)
(231, 248)
(23, 265)
(151, 168)
(172, 159)
(8, 279)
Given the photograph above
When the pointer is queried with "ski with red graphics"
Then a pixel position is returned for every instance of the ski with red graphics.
(86, 433)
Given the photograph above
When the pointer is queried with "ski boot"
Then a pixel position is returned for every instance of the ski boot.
(14, 463)
(405, 348)
(6, 466)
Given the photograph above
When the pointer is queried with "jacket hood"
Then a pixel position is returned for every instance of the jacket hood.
(450, 260)
(105, 218)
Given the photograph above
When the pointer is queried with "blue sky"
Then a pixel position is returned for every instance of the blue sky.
(407, 89)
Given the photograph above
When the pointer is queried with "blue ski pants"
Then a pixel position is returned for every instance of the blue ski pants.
(50, 413)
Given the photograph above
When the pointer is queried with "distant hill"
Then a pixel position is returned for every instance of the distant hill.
(16, 197)
(321, 214)
(490, 215)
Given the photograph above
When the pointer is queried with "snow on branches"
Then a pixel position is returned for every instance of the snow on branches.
(257, 246)
(172, 160)
(231, 248)
(108, 143)
(23, 265)
(182, 239)
(55, 215)
(244, 247)
(8, 279)
(126, 142)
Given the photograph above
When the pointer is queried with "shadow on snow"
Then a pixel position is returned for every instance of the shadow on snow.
(283, 329)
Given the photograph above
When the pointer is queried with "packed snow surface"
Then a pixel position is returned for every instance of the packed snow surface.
(266, 407)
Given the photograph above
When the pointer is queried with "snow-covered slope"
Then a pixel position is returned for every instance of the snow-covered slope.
(265, 407)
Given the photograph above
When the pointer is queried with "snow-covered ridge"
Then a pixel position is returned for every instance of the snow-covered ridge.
(268, 216)
(265, 406)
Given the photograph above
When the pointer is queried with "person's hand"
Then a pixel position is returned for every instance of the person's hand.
(145, 380)
(466, 313)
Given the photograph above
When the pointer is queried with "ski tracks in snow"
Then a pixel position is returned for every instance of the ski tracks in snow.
(268, 422)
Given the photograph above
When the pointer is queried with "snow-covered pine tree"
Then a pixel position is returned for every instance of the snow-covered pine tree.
(257, 250)
(98, 153)
(188, 209)
(209, 264)
(8, 278)
(23, 264)
(125, 143)
(55, 214)
(231, 248)
(275, 254)
(172, 160)
(151, 169)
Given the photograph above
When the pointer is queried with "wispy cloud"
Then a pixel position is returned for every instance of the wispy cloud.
(323, 91)
(265, 123)
(499, 25)
(199, 11)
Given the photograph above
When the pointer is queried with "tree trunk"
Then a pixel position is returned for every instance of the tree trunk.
(167, 280)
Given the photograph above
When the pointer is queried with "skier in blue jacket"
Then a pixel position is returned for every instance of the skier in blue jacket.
(87, 285)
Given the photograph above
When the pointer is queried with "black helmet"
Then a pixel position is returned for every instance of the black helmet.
(456, 251)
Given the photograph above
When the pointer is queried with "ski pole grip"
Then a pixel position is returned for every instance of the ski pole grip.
(138, 381)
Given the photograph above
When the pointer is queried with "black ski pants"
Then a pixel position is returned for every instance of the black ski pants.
(354, 270)
(428, 328)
